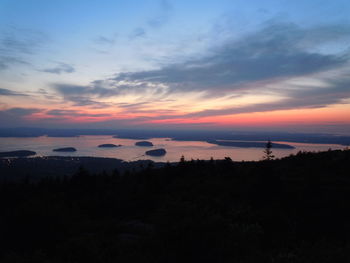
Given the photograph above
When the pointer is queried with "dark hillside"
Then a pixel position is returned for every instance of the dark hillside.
(292, 210)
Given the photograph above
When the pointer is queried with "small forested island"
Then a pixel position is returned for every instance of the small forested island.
(65, 149)
(109, 145)
(249, 144)
(144, 143)
(20, 153)
(156, 152)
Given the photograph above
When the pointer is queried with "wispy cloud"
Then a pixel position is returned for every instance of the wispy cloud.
(104, 40)
(98, 90)
(84, 95)
(7, 92)
(7, 61)
(277, 51)
(264, 62)
(17, 45)
(73, 113)
(76, 90)
(165, 10)
(16, 116)
(137, 33)
(59, 69)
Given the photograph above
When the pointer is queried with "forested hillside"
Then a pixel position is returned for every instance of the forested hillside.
(292, 210)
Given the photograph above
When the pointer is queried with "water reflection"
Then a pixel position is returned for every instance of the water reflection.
(87, 146)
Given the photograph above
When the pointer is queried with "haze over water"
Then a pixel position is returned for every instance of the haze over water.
(88, 146)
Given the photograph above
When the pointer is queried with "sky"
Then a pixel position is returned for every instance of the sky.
(184, 64)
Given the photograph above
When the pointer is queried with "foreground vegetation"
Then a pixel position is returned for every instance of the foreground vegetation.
(290, 210)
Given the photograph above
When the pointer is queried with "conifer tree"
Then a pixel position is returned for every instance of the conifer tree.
(268, 156)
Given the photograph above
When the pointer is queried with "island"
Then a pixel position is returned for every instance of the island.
(66, 149)
(108, 145)
(250, 144)
(20, 153)
(144, 143)
(156, 152)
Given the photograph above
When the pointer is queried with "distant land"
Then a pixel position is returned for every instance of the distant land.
(19, 153)
(156, 152)
(108, 145)
(182, 135)
(144, 143)
(65, 149)
(250, 144)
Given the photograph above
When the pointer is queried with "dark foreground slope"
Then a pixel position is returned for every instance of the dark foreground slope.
(291, 210)
(17, 169)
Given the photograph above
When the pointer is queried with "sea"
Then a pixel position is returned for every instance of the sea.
(88, 146)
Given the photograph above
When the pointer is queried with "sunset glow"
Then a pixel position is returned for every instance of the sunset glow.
(278, 65)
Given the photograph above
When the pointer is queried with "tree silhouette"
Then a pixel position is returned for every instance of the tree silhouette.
(268, 152)
(182, 159)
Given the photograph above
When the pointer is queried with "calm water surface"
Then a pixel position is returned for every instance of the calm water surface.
(87, 146)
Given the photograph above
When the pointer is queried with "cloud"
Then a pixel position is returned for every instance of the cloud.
(85, 95)
(102, 89)
(16, 116)
(7, 61)
(21, 116)
(137, 33)
(76, 90)
(103, 40)
(277, 51)
(264, 62)
(60, 68)
(73, 113)
(22, 111)
(334, 91)
(17, 45)
(46, 94)
(7, 92)
(163, 16)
